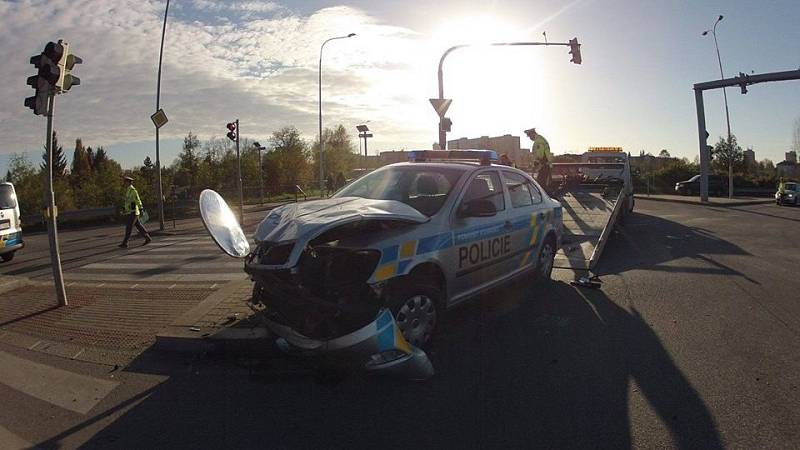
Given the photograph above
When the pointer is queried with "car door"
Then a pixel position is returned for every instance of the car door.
(526, 215)
(480, 242)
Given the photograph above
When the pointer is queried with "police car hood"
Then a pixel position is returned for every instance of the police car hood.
(302, 222)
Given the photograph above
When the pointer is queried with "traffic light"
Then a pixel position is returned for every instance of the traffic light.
(232, 131)
(45, 80)
(66, 80)
(575, 51)
(744, 79)
(446, 124)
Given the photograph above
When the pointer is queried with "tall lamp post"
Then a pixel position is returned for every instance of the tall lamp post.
(713, 31)
(158, 107)
(321, 140)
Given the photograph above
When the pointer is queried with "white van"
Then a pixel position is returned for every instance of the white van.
(10, 224)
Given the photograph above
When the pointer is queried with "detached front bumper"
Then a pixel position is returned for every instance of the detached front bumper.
(380, 343)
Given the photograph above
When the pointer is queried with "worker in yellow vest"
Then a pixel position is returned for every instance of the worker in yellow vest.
(131, 208)
(542, 158)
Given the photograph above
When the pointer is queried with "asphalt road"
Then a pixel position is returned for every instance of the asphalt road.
(691, 342)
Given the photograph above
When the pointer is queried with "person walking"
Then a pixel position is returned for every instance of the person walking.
(542, 158)
(131, 208)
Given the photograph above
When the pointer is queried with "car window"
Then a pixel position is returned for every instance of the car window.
(486, 186)
(7, 198)
(519, 189)
(423, 188)
(790, 186)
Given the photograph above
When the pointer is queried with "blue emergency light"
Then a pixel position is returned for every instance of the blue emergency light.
(485, 157)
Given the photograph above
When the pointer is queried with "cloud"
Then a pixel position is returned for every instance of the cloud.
(260, 65)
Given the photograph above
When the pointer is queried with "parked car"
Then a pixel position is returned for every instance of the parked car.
(789, 196)
(717, 186)
(10, 224)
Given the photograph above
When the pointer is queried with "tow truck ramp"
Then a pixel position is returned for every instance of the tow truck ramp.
(594, 194)
(589, 216)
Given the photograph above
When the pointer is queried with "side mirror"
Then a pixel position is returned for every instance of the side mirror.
(222, 225)
(477, 208)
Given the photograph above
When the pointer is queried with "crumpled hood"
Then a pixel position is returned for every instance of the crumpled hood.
(302, 222)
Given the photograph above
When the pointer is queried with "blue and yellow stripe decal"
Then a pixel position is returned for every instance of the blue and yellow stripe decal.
(389, 335)
(396, 259)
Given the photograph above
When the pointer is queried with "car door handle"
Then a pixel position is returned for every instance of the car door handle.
(508, 226)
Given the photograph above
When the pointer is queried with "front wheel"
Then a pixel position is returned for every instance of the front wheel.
(544, 264)
(416, 309)
(7, 257)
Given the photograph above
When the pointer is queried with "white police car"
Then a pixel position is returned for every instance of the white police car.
(407, 241)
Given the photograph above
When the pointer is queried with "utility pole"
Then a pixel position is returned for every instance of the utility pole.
(52, 212)
(260, 173)
(363, 132)
(233, 134)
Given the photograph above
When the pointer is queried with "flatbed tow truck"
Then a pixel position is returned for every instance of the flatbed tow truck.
(595, 193)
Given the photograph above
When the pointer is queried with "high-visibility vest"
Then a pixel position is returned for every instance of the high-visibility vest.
(132, 198)
(541, 149)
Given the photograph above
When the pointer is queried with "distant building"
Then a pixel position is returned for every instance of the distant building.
(647, 162)
(749, 157)
(507, 144)
(789, 168)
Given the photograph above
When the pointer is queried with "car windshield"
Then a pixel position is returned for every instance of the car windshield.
(790, 186)
(694, 178)
(8, 199)
(423, 188)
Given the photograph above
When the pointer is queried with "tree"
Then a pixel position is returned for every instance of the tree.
(81, 167)
(340, 152)
(188, 163)
(288, 161)
(724, 153)
(664, 153)
(100, 160)
(59, 160)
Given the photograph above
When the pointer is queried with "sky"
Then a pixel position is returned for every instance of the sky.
(258, 61)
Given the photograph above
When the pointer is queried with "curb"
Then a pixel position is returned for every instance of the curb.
(184, 336)
(709, 203)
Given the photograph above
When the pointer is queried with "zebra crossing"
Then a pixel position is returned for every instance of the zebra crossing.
(186, 261)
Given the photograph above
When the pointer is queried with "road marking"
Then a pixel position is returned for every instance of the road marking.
(10, 441)
(69, 390)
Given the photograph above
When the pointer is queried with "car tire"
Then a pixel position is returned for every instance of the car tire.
(545, 259)
(416, 307)
(7, 257)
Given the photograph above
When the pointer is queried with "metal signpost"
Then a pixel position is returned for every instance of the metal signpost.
(441, 104)
(233, 134)
(55, 64)
(743, 80)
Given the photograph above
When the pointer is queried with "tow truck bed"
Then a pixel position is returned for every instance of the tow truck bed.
(588, 217)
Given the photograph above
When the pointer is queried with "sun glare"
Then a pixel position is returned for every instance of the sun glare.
(495, 90)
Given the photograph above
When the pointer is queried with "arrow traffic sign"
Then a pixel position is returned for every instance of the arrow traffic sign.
(441, 105)
(159, 118)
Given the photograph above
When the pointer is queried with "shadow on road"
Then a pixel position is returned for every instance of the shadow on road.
(666, 242)
(544, 366)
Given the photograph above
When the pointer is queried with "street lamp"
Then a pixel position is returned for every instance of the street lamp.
(321, 140)
(260, 171)
(363, 132)
(158, 107)
(713, 31)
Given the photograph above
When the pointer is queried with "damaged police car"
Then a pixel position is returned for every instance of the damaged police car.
(372, 269)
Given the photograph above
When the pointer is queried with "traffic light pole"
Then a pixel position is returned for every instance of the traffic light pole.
(52, 227)
(239, 163)
(743, 80)
(442, 131)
